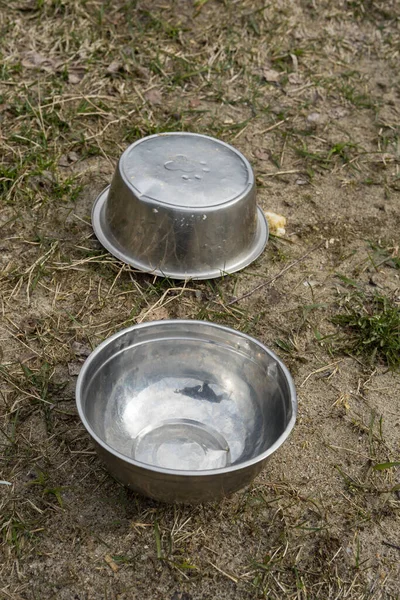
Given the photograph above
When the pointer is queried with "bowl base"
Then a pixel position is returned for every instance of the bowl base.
(181, 444)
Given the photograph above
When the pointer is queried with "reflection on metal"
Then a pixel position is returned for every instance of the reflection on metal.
(182, 205)
(185, 411)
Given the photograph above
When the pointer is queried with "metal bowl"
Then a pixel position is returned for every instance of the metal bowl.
(185, 411)
(181, 205)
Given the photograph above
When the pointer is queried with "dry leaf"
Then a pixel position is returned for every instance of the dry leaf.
(73, 157)
(34, 60)
(310, 282)
(338, 113)
(140, 72)
(66, 159)
(26, 357)
(271, 75)
(314, 117)
(278, 109)
(114, 67)
(294, 78)
(74, 368)
(80, 349)
(29, 324)
(153, 96)
(295, 62)
(261, 154)
(75, 77)
(42, 181)
(63, 161)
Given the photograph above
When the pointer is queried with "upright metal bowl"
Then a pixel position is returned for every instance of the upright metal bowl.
(185, 411)
(181, 205)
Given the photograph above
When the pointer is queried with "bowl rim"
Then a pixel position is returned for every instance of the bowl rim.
(180, 472)
(185, 209)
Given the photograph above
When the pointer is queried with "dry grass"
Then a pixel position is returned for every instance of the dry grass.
(309, 92)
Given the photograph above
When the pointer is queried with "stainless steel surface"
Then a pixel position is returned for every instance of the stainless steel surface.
(181, 205)
(185, 411)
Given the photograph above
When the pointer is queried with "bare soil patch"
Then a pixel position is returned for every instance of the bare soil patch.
(310, 92)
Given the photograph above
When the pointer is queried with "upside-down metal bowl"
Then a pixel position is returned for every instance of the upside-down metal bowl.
(185, 411)
(181, 205)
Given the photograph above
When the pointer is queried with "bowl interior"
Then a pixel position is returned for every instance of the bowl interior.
(185, 396)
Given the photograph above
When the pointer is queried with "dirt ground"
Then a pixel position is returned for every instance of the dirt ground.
(310, 91)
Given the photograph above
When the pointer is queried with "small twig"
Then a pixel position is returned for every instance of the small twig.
(349, 449)
(159, 303)
(276, 173)
(241, 131)
(231, 577)
(321, 370)
(395, 546)
(271, 127)
(301, 88)
(7, 594)
(273, 279)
